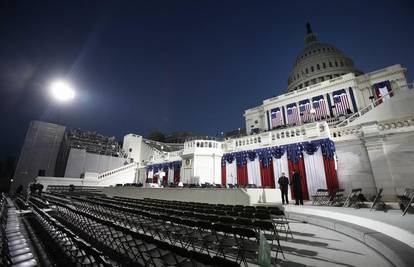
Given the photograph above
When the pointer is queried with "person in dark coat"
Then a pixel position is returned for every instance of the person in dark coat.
(297, 187)
(284, 185)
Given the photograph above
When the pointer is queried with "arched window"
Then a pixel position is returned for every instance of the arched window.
(324, 65)
(306, 70)
(330, 64)
(318, 67)
(198, 144)
(202, 144)
(209, 144)
(312, 69)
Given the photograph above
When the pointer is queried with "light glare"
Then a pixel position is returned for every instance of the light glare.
(62, 91)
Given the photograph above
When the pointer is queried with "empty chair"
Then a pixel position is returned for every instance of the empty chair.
(225, 239)
(406, 199)
(281, 223)
(354, 199)
(247, 243)
(337, 197)
(378, 202)
(321, 197)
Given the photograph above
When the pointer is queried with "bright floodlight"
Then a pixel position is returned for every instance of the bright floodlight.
(62, 91)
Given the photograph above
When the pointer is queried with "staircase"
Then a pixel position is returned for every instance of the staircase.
(373, 105)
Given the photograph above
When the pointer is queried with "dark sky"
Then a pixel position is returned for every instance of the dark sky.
(175, 65)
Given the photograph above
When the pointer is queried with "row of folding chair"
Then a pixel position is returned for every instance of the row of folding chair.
(163, 218)
(220, 210)
(133, 247)
(248, 212)
(176, 230)
(63, 246)
(332, 197)
(15, 249)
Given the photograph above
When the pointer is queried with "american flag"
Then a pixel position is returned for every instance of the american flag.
(292, 115)
(305, 107)
(276, 117)
(341, 102)
(383, 89)
(320, 107)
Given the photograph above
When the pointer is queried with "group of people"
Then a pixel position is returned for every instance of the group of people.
(297, 187)
(34, 188)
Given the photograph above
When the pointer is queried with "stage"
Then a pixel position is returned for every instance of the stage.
(389, 233)
(236, 196)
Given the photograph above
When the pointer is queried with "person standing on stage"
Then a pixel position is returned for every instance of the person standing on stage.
(284, 185)
(297, 187)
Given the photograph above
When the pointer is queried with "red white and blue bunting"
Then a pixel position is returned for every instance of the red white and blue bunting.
(319, 159)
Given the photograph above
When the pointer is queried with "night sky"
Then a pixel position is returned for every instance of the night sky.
(175, 65)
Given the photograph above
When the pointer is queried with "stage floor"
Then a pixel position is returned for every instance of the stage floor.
(390, 222)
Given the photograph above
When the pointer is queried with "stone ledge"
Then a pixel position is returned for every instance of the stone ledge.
(398, 253)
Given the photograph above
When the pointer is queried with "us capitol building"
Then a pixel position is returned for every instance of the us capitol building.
(341, 127)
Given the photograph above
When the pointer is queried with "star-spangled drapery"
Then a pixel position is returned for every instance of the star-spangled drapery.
(172, 167)
(294, 154)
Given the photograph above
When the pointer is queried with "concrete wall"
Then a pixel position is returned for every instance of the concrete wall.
(80, 161)
(132, 146)
(354, 167)
(392, 158)
(208, 168)
(202, 195)
(39, 152)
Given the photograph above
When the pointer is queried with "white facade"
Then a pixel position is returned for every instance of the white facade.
(80, 162)
(259, 117)
(202, 162)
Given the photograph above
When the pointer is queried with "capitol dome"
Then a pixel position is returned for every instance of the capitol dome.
(318, 62)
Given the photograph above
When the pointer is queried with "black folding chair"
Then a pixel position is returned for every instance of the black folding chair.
(321, 197)
(406, 200)
(247, 243)
(337, 197)
(354, 199)
(281, 223)
(378, 203)
(225, 239)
